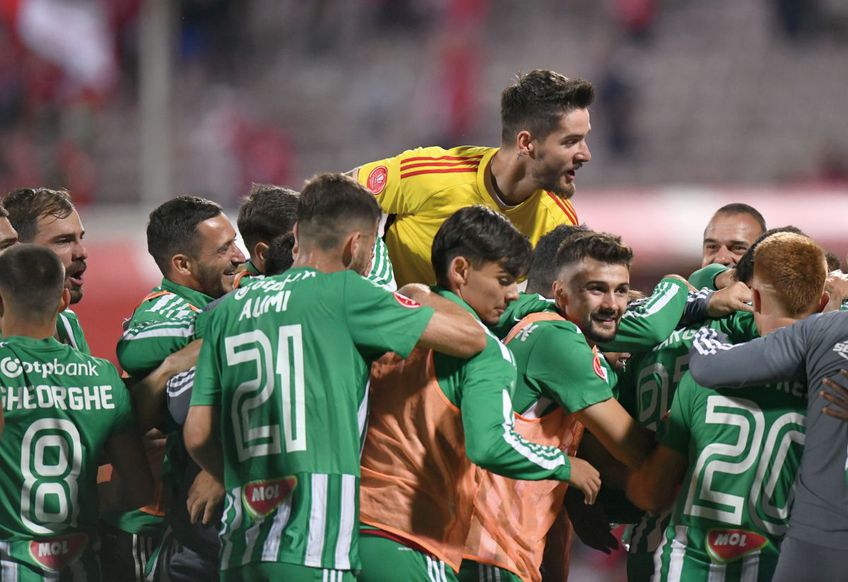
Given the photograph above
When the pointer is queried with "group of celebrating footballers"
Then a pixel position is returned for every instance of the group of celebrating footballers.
(368, 396)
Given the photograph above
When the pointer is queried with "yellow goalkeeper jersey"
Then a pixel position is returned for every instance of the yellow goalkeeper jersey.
(423, 187)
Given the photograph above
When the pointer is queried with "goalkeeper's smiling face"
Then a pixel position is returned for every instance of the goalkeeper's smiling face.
(216, 257)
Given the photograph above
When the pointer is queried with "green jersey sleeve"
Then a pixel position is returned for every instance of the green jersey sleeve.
(69, 331)
(566, 369)
(739, 327)
(705, 276)
(147, 343)
(675, 431)
(648, 322)
(517, 310)
(381, 321)
(123, 416)
(382, 272)
(487, 418)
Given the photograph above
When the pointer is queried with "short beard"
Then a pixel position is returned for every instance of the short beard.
(598, 338)
(551, 185)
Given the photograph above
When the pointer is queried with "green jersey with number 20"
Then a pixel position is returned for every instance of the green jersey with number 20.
(744, 448)
(60, 407)
(286, 359)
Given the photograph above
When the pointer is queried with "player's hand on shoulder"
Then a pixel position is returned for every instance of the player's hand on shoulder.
(585, 478)
(836, 286)
(735, 297)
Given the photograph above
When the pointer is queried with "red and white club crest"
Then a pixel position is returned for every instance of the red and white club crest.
(406, 301)
(377, 179)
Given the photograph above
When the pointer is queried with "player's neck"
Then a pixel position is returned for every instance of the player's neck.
(507, 180)
(318, 260)
(769, 323)
(26, 327)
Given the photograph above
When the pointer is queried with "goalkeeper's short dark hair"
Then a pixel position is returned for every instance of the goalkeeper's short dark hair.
(172, 227)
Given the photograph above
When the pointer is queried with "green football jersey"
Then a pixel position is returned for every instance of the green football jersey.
(744, 447)
(482, 388)
(643, 325)
(60, 408)
(556, 367)
(382, 272)
(286, 360)
(705, 276)
(69, 331)
(160, 326)
(646, 390)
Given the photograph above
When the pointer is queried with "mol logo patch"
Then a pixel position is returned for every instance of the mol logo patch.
(728, 545)
(54, 554)
(377, 179)
(263, 497)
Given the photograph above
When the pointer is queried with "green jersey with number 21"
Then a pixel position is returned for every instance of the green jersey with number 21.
(286, 359)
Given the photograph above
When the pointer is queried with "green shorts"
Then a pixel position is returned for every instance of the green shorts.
(275, 571)
(640, 566)
(385, 560)
(476, 572)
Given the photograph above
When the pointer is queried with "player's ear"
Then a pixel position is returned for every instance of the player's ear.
(825, 299)
(296, 244)
(351, 243)
(757, 300)
(458, 271)
(181, 264)
(64, 300)
(560, 296)
(525, 143)
(259, 250)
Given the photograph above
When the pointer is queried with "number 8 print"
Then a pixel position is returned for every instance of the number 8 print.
(50, 475)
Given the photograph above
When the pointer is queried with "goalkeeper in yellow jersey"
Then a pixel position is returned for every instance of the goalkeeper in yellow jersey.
(529, 178)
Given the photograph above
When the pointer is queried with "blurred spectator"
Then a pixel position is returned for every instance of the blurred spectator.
(617, 94)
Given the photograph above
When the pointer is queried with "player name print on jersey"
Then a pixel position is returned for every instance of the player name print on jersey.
(263, 497)
(54, 554)
(61, 397)
(729, 545)
(278, 302)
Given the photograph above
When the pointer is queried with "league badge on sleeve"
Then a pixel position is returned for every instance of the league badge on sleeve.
(377, 179)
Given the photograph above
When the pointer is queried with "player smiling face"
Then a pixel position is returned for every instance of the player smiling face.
(216, 256)
(64, 236)
(593, 296)
(556, 158)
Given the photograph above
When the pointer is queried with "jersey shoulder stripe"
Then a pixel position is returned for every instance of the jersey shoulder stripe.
(566, 207)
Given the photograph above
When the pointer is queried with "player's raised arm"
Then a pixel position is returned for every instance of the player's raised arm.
(452, 330)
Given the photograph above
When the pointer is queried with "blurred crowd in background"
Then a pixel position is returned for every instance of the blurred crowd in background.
(276, 90)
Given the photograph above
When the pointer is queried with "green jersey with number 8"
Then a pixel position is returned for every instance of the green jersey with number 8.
(286, 359)
(744, 448)
(60, 407)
